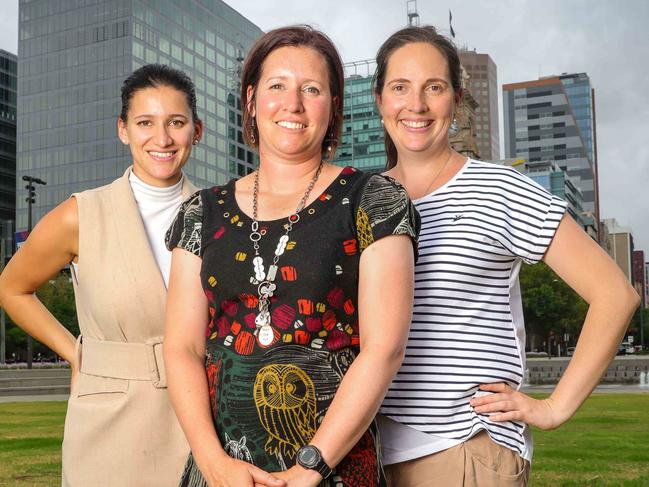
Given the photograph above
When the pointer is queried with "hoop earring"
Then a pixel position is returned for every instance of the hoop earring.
(253, 139)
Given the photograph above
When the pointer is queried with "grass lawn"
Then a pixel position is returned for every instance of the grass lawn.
(30, 443)
(605, 444)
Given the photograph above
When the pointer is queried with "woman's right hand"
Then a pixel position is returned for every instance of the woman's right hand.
(230, 472)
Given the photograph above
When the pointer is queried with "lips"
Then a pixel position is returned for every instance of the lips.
(162, 155)
(291, 125)
(416, 124)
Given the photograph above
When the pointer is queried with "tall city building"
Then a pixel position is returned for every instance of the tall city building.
(639, 278)
(8, 100)
(73, 57)
(553, 119)
(620, 246)
(483, 86)
(361, 143)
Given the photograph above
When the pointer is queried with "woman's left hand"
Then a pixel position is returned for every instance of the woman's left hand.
(511, 405)
(298, 476)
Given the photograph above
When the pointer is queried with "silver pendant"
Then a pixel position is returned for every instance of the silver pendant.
(266, 335)
(258, 264)
(266, 289)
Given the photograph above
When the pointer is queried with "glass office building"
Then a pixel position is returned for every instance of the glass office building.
(551, 119)
(8, 87)
(361, 143)
(73, 57)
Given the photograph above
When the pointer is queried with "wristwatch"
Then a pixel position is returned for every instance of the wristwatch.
(310, 457)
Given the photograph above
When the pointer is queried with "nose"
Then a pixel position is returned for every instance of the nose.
(162, 137)
(418, 102)
(293, 101)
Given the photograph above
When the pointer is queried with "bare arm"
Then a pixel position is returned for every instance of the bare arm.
(53, 244)
(184, 354)
(385, 310)
(587, 269)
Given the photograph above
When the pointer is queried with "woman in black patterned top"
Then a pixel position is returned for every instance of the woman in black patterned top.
(279, 279)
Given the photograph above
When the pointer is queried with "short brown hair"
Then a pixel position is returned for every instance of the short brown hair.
(294, 36)
(408, 35)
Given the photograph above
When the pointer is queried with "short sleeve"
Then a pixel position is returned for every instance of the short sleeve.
(185, 231)
(385, 209)
(531, 216)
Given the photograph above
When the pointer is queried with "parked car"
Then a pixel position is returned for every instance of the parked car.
(570, 351)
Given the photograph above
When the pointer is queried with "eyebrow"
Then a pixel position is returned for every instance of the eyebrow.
(429, 80)
(284, 78)
(146, 115)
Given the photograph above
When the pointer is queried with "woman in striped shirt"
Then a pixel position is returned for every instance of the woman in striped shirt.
(454, 414)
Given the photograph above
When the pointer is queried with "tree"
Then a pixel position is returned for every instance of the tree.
(550, 306)
(58, 297)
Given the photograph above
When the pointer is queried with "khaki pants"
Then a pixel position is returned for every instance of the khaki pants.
(478, 462)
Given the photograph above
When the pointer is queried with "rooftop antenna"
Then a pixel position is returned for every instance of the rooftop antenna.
(413, 15)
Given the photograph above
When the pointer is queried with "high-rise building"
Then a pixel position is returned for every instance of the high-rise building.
(8, 100)
(73, 57)
(639, 278)
(483, 86)
(361, 143)
(620, 246)
(553, 119)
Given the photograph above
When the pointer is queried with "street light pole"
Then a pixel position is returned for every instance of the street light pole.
(31, 198)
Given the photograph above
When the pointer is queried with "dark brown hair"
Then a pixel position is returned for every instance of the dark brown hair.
(155, 76)
(294, 36)
(408, 35)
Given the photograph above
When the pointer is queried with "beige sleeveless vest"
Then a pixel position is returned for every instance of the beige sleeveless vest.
(120, 429)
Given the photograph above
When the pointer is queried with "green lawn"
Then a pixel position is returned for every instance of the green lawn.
(606, 444)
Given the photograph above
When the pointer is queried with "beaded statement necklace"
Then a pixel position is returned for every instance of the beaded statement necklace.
(266, 280)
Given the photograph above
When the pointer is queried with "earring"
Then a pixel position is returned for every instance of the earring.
(253, 139)
(382, 122)
(454, 129)
(331, 141)
(195, 141)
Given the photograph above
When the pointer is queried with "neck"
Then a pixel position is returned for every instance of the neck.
(281, 177)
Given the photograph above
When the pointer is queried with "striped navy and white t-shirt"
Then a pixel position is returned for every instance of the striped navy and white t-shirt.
(467, 325)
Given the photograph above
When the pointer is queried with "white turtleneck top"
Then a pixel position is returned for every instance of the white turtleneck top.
(158, 207)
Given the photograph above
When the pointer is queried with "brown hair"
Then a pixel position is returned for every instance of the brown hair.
(408, 35)
(294, 36)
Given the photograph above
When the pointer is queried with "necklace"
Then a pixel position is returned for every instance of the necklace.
(266, 280)
(437, 175)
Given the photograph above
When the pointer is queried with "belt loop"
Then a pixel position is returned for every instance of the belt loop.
(155, 362)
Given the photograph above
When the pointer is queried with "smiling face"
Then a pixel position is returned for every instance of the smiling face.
(292, 104)
(159, 131)
(417, 102)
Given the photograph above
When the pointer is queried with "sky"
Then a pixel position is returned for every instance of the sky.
(526, 39)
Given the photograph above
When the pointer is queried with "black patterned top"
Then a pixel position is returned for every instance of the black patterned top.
(268, 400)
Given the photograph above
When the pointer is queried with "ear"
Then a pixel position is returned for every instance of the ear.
(198, 129)
(121, 131)
(458, 97)
(250, 95)
(379, 102)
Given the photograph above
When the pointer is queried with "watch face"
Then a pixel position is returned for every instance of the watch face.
(308, 456)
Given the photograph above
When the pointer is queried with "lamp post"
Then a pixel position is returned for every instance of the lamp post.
(31, 198)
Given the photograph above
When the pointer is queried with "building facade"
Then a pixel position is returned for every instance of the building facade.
(639, 278)
(8, 103)
(362, 136)
(553, 119)
(73, 57)
(483, 86)
(620, 246)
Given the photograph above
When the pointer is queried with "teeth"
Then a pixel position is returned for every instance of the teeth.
(416, 124)
(291, 125)
(161, 154)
